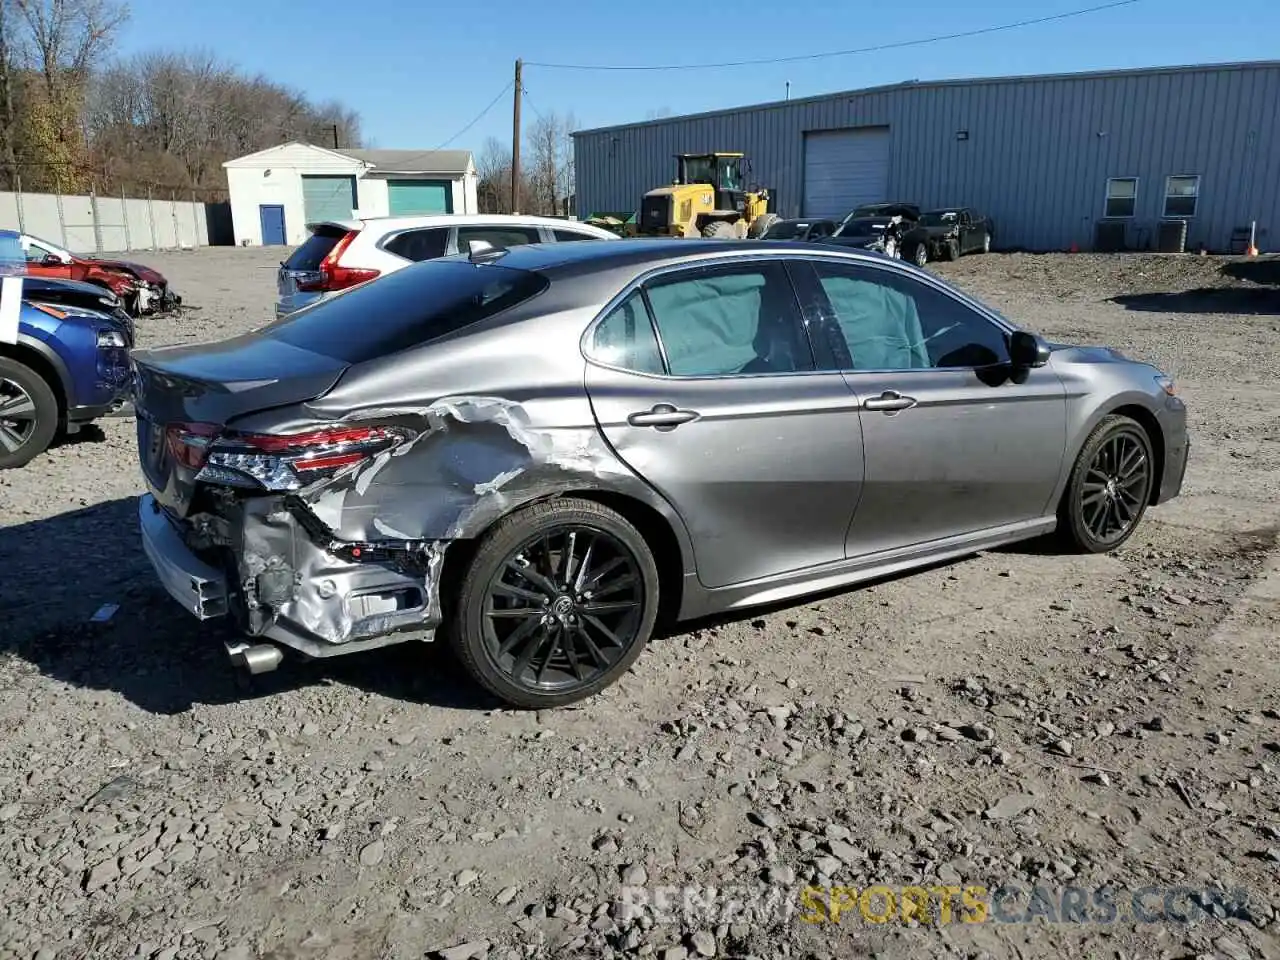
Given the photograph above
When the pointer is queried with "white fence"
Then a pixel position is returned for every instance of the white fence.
(94, 223)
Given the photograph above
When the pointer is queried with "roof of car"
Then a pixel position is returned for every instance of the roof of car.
(586, 256)
(454, 220)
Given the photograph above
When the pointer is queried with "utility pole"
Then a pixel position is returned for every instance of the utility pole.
(515, 144)
(335, 136)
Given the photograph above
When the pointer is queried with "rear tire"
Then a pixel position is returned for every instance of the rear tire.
(558, 601)
(986, 243)
(760, 226)
(28, 414)
(719, 230)
(1109, 488)
(952, 250)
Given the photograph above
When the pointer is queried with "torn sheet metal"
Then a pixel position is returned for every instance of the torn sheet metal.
(473, 458)
(299, 587)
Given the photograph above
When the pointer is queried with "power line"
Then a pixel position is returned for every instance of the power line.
(838, 53)
(480, 116)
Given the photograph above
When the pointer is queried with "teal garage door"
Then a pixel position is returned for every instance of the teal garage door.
(409, 197)
(328, 198)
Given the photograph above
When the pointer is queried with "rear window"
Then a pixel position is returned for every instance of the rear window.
(317, 247)
(405, 309)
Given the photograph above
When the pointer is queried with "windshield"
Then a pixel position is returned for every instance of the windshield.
(785, 230)
(938, 218)
(405, 309)
(699, 170)
(860, 228)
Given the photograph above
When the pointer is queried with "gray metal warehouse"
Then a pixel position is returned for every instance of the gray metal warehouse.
(1048, 158)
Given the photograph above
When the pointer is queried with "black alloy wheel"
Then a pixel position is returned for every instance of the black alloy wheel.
(561, 599)
(1110, 486)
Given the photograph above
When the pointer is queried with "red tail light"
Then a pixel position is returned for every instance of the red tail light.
(333, 277)
(287, 461)
(189, 442)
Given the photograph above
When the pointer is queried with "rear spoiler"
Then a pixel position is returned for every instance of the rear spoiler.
(343, 225)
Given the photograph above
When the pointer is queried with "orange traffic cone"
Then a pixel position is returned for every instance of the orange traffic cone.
(1252, 251)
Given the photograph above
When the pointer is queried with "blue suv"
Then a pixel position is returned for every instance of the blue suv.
(67, 362)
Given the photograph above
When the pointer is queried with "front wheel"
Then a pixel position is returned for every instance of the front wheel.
(558, 602)
(1109, 487)
(28, 414)
(952, 250)
(920, 254)
(719, 230)
(986, 243)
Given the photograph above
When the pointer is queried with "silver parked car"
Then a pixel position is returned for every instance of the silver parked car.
(538, 452)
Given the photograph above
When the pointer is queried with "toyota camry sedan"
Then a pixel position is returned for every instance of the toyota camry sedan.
(536, 454)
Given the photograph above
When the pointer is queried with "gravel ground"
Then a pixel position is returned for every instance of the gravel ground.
(1020, 718)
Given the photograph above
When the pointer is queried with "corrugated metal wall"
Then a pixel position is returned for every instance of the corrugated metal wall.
(1037, 158)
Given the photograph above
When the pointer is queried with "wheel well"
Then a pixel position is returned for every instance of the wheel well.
(1147, 420)
(32, 358)
(652, 525)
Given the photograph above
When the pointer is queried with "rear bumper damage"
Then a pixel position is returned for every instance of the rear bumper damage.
(270, 564)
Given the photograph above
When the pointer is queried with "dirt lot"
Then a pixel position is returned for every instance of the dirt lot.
(1019, 720)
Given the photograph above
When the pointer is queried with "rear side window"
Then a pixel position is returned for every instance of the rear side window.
(564, 235)
(625, 338)
(722, 321)
(498, 236)
(419, 245)
(405, 309)
(317, 247)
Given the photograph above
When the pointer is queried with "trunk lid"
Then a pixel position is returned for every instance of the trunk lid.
(214, 384)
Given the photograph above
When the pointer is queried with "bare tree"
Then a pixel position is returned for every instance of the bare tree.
(8, 114)
(493, 171)
(64, 39)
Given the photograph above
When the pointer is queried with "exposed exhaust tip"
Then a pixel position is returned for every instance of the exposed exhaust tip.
(256, 657)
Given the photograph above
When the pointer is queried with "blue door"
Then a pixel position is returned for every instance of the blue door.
(272, 216)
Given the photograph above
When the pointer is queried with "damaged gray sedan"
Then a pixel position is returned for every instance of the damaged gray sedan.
(538, 453)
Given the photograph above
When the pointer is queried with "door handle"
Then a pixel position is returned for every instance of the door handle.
(890, 401)
(662, 415)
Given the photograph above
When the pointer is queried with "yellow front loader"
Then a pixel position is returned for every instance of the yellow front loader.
(707, 199)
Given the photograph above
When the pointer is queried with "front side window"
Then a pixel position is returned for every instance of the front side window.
(722, 321)
(883, 321)
(1181, 194)
(625, 338)
(1122, 197)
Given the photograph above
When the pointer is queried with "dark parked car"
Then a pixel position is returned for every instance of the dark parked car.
(537, 452)
(876, 226)
(63, 366)
(947, 235)
(801, 229)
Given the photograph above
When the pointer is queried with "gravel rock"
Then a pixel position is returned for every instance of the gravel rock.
(371, 854)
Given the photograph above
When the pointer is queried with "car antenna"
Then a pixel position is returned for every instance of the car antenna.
(482, 251)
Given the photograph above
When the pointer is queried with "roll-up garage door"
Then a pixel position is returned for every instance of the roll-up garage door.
(843, 169)
(328, 198)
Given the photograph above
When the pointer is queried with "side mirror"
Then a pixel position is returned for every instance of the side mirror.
(1026, 350)
(51, 260)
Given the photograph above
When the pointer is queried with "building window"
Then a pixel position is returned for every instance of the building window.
(1181, 194)
(1122, 196)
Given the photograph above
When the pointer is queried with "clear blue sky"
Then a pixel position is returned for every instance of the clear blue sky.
(419, 70)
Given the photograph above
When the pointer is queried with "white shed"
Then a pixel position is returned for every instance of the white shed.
(276, 192)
